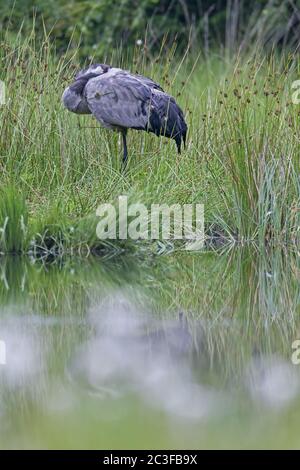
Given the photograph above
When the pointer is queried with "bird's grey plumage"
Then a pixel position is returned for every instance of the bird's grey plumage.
(120, 100)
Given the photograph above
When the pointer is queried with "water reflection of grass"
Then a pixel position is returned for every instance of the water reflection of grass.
(247, 302)
(241, 307)
(244, 300)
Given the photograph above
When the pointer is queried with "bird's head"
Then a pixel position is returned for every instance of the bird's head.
(92, 70)
(73, 98)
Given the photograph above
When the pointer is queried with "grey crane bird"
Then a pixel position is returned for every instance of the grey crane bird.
(120, 100)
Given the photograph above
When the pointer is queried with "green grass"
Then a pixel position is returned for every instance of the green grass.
(13, 221)
(241, 161)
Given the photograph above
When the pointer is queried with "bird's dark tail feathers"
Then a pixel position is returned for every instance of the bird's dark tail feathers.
(167, 119)
(184, 137)
(181, 136)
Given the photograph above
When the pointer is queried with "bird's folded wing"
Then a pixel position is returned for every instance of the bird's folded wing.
(148, 82)
(120, 100)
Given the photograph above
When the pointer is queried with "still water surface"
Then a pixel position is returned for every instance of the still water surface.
(180, 351)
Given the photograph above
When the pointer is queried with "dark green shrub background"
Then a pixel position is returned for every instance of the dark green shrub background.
(101, 25)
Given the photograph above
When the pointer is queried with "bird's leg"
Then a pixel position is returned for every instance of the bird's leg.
(125, 154)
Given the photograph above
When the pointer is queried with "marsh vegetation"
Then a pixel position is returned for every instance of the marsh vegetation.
(241, 160)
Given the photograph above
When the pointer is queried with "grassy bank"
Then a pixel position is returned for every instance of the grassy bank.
(241, 161)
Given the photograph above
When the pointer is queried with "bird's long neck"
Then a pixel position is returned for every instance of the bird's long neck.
(79, 84)
(73, 97)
